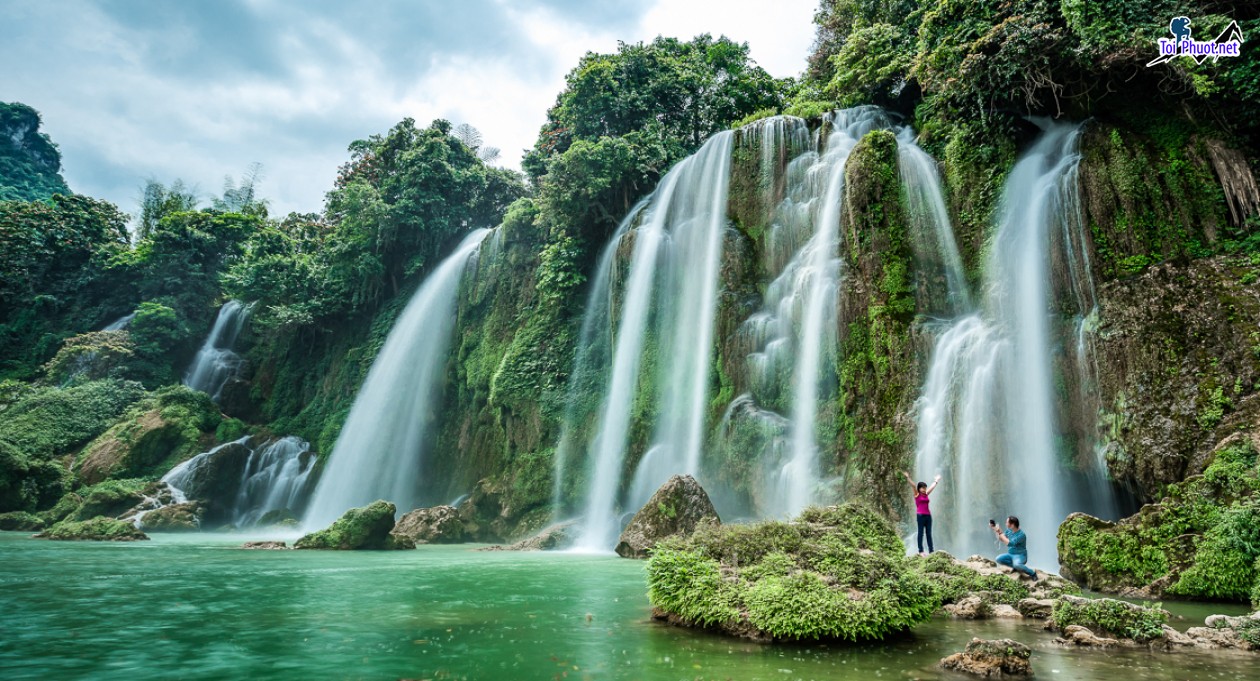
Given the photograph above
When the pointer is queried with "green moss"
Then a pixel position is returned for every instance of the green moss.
(53, 422)
(109, 498)
(1114, 617)
(836, 573)
(1224, 564)
(94, 529)
(21, 521)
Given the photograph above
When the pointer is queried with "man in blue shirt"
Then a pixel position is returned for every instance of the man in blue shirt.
(1016, 555)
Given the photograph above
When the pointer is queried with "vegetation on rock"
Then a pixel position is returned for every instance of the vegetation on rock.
(93, 529)
(368, 527)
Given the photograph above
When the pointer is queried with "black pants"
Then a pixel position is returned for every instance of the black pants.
(925, 525)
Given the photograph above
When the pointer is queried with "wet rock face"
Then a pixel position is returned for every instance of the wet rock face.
(437, 525)
(1001, 657)
(1177, 369)
(368, 527)
(675, 509)
(217, 481)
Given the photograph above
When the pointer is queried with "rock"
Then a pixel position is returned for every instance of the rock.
(969, 608)
(991, 658)
(112, 498)
(675, 509)
(280, 517)
(555, 537)
(1080, 636)
(21, 521)
(184, 517)
(1003, 611)
(215, 480)
(360, 528)
(1036, 608)
(96, 529)
(264, 545)
(437, 525)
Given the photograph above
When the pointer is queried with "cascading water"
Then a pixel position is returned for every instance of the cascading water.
(120, 323)
(216, 362)
(380, 451)
(666, 309)
(987, 414)
(273, 477)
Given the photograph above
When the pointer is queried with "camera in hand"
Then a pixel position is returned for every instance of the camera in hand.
(992, 523)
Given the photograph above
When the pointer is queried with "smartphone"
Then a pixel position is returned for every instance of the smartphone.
(992, 523)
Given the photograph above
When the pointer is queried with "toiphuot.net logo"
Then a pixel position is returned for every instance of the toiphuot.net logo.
(1227, 44)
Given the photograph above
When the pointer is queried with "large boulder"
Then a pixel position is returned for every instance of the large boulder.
(437, 525)
(214, 478)
(676, 509)
(174, 518)
(95, 529)
(369, 527)
(991, 658)
(554, 537)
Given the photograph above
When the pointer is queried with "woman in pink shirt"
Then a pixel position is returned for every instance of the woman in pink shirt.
(923, 514)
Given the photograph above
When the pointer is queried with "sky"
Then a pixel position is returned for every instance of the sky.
(199, 89)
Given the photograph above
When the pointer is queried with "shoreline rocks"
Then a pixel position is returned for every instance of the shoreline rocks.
(1002, 657)
(265, 545)
(436, 525)
(99, 528)
(676, 509)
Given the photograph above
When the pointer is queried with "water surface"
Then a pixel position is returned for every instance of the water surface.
(197, 607)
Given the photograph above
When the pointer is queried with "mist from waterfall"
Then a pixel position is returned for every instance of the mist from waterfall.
(381, 449)
(216, 362)
(987, 415)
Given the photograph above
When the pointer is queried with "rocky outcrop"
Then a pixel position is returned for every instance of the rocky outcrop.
(676, 509)
(969, 608)
(280, 517)
(437, 525)
(1177, 369)
(174, 518)
(369, 527)
(1002, 657)
(96, 529)
(551, 538)
(21, 521)
(1077, 635)
(1036, 608)
(264, 545)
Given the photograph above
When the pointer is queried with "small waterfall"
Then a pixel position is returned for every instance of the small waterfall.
(380, 451)
(987, 414)
(667, 306)
(120, 323)
(935, 249)
(273, 477)
(215, 362)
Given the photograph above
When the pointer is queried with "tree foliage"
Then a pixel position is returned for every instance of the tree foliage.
(30, 164)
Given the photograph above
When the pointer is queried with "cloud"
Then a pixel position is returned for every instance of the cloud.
(199, 90)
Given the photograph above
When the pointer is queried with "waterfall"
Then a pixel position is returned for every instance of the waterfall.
(987, 414)
(794, 336)
(380, 451)
(215, 362)
(120, 323)
(273, 477)
(666, 310)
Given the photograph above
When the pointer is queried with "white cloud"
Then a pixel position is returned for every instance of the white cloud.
(131, 91)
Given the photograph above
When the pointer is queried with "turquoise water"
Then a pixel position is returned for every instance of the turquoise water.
(196, 607)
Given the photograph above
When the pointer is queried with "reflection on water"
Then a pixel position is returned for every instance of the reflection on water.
(195, 607)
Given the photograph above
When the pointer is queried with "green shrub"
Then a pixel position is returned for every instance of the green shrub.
(53, 422)
(1108, 615)
(834, 573)
(1225, 560)
(94, 529)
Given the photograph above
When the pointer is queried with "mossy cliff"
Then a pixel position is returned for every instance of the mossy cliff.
(1199, 541)
(877, 361)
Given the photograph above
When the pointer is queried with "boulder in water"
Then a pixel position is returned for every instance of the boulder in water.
(280, 517)
(21, 521)
(1002, 657)
(1036, 608)
(552, 538)
(264, 545)
(368, 527)
(95, 529)
(174, 518)
(437, 525)
(674, 510)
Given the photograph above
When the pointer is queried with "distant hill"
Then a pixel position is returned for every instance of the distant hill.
(30, 165)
